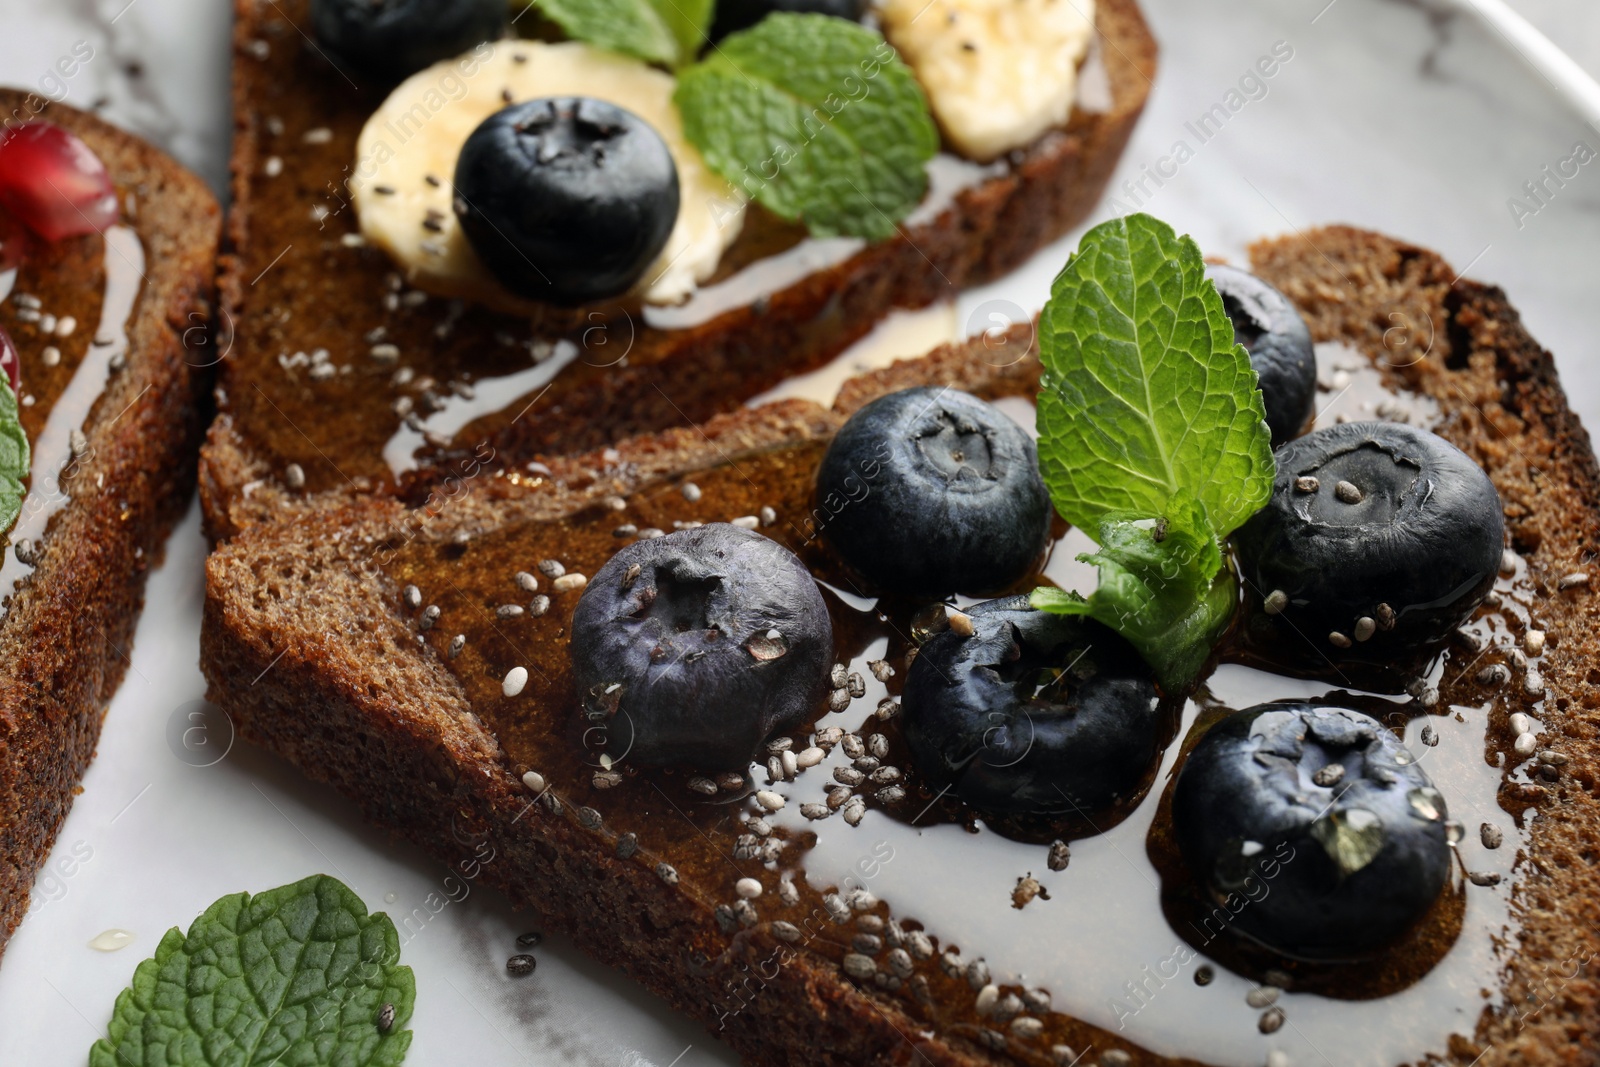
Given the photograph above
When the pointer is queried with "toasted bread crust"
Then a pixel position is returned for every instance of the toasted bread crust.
(392, 728)
(1507, 411)
(671, 377)
(64, 637)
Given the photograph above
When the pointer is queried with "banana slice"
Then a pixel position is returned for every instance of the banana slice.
(406, 158)
(998, 73)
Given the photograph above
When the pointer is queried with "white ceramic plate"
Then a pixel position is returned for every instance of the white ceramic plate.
(1422, 119)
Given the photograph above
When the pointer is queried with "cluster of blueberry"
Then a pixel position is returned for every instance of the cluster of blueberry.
(704, 642)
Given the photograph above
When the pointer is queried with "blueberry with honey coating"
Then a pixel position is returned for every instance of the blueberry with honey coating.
(394, 38)
(1031, 713)
(1279, 343)
(566, 199)
(931, 491)
(1318, 817)
(1378, 541)
(693, 648)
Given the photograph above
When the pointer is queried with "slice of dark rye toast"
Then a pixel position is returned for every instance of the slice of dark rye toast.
(291, 284)
(317, 646)
(105, 513)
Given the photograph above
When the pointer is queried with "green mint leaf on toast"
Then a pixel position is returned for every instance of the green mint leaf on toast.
(1162, 586)
(668, 32)
(1152, 437)
(15, 457)
(294, 976)
(1145, 391)
(817, 119)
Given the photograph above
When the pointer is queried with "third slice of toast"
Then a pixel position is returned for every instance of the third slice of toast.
(130, 379)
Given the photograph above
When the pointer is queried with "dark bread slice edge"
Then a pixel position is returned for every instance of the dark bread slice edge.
(64, 639)
(1507, 410)
(988, 231)
(351, 702)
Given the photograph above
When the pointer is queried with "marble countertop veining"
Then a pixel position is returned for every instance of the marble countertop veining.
(1409, 116)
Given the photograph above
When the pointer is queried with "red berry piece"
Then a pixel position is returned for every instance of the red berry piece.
(10, 362)
(53, 183)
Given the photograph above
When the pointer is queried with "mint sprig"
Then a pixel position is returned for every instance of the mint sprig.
(15, 457)
(668, 32)
(1152, 437)
(816, 118)
(294, 975)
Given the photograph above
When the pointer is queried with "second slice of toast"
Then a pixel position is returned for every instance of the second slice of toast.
(296, 295)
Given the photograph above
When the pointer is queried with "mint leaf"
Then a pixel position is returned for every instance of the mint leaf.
(15, 456)
(816, 118)
(293, 977)
(1152, 434)
(669, 32)
(1144, 390)
(1171, 598)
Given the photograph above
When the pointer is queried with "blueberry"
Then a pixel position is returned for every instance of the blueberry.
(394, 38)
(566, 199)
(1379, 540)
(1279, 344)
(929, 491)
(1321, 820)
(696, 647)
(735, 15)
(1032, 714)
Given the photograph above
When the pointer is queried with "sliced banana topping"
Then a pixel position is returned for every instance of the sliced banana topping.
(406, 158)
(998, 73)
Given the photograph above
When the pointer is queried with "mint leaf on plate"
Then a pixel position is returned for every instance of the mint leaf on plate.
(668, 32)
(294, 976)
(15, 457)
(816, 118)
(1152, 437)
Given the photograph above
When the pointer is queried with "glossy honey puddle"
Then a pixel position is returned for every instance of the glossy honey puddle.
(1097, 937)
(94, 281)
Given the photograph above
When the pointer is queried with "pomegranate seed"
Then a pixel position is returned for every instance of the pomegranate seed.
(10, 362)
(14, 243)
(54, 183)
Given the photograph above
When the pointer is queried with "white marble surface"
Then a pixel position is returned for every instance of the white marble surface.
(1572, 24)
(1411, 116)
